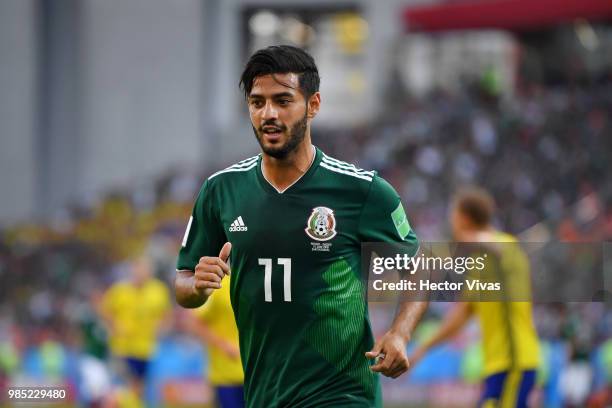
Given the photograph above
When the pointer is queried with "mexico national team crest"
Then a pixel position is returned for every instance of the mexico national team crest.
(321, 225)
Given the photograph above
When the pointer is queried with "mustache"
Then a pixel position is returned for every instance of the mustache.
(272, 123)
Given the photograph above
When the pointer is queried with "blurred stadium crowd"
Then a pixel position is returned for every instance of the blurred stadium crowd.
(543, 154)
(540, 154)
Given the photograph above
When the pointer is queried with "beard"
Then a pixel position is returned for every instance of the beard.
(294, 138)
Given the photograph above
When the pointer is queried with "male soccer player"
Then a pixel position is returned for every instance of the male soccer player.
(135, 309)
(293, 219)
(510, 341)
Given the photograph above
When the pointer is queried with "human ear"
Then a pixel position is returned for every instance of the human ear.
(314, 104)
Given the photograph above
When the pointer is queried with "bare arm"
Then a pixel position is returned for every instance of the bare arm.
(192, 288)
(453, 322)
(185, 291)
(407, 317)
(202, 330)
(391, 348)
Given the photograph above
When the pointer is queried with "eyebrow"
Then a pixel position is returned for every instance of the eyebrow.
(276, 95)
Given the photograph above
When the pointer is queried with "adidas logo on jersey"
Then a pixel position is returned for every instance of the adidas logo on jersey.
(238, 225)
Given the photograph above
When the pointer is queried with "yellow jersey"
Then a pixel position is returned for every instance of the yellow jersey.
(218, 315)
(136, 314)
(509, 337)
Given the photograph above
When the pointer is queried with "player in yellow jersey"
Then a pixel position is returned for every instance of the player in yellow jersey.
(510, 342)
(215, 324)
(134, 310)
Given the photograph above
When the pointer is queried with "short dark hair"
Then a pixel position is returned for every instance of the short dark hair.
(281, 59)
(476, 204)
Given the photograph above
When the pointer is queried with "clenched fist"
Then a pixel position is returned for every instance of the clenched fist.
(390, 355)
(210, 270)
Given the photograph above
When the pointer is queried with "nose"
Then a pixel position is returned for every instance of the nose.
(269, 111)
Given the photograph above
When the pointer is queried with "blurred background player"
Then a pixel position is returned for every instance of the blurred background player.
(214, 323)
(510, 342)
(135, 309)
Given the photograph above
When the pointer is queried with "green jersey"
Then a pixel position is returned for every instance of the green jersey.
(296, 290)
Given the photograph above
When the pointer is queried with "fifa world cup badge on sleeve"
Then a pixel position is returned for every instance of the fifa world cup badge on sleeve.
(400, 221)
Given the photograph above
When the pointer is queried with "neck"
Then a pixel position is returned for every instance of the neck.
(282, 173)
(478, 234)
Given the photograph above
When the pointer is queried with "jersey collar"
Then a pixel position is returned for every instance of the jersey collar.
(302, 179)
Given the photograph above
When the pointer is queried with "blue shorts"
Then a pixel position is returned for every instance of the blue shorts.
(507, 389)
(230, 396)
(137, 368)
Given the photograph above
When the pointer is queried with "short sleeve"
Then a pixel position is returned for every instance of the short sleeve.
(383, 218)
(203, 235)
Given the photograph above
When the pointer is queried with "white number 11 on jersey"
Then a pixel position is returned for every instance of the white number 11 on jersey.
(267, 264)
